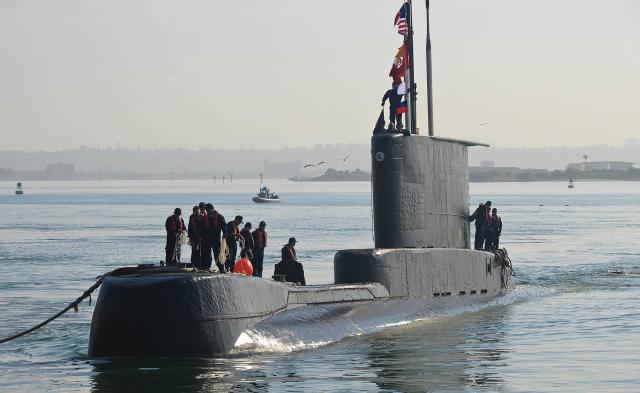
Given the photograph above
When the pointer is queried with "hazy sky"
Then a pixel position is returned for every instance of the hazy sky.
(248, 73)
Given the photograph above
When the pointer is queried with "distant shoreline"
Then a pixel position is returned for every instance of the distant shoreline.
(332, 175)
(336, 175)
(487, 175)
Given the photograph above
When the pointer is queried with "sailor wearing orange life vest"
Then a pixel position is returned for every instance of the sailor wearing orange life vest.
(215, 228)
(174, 226)
(259, 244)
(233, 234)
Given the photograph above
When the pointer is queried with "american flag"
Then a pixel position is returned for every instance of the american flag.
(401, 20)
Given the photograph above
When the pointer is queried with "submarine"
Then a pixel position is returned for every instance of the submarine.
(421, 262)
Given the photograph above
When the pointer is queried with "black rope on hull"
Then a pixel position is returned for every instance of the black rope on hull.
(502, 256)
(71, 305)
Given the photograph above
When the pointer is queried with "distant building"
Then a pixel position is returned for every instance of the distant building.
(507, 170)
(601, 166)
(281, 169)
(487, 164)
(60, 170)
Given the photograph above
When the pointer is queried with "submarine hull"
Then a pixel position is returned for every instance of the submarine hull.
(178, 314)
(189, 314)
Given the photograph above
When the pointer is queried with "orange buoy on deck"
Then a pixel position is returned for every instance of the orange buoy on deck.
(244, 266)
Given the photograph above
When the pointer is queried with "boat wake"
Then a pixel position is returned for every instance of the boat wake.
(314, 326)
(623, 272)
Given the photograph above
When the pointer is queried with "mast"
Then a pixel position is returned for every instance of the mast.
(429, 84)
(412, 87)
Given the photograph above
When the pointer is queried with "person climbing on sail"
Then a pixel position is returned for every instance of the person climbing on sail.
(174, 224)
(395, 118)
(289, 267)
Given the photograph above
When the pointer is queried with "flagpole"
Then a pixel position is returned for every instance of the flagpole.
(412, 87)
(429, 84)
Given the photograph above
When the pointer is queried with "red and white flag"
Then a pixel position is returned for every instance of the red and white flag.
(401, 20)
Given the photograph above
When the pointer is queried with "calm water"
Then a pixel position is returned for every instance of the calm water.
(572, 325)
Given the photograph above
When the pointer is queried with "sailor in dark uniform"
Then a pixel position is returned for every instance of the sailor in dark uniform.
(395, 119)
(194, 237)
(202, 226)
(481, 217)
(496, 225)
(289, 267)
(247, 249)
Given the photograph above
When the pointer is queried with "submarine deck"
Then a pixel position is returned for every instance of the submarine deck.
(295, 294)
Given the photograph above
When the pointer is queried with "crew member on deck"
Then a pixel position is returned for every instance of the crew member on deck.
(481, 217)
(259, 244)
(194, 237)
(233, 235)
(216, 228)
(496, 224)
(203, 227)
(489, 233)
(247, 250)
(174, 225)
(395, 119)
(289, 266)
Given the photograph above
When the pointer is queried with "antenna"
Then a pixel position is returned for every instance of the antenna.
(429, 84)
(412, 87)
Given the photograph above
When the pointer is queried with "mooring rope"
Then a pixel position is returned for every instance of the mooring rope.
(122, 271)
(502, 256)
(71, 305)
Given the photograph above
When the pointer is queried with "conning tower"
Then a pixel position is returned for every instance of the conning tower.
(420, 191)
(421, 228)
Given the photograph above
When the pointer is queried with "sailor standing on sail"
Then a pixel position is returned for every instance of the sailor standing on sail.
(395, 119)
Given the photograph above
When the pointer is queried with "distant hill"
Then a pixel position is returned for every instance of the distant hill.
(336, 175)
(251, 162)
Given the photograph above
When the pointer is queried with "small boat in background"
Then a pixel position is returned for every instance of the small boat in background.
(19, 190)
(570, 183)
(266, 196)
